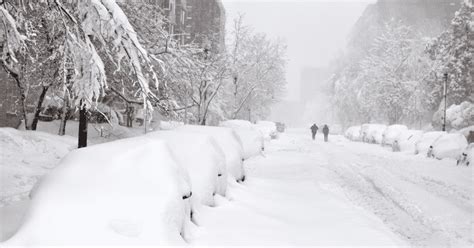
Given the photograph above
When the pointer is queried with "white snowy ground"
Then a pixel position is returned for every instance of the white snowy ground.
(306, 192)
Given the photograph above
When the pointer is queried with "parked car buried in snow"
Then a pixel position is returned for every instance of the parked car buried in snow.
(128, 192)
(230, 144)
(251, 138)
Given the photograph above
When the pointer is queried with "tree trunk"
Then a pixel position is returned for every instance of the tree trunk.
(64, 115)
(34, 123)
(82, 136)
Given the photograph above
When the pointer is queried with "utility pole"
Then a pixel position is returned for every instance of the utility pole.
(445, 90)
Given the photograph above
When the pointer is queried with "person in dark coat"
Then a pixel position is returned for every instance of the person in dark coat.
(314, 130)
(326, 133)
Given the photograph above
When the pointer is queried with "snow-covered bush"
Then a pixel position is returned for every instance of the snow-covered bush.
(449, 146)
(268, 129)
(202, 158)
(353, 133)
(129, 192)
(392, 133)
(467, 156)
(230, 144)
(422, 146)
(457, 116)
(252, 139)
(407, 140)
(372, 133)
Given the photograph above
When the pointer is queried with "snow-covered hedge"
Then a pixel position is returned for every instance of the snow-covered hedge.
(392, 133)
(422, 146)
(353, 133)
(252, 139)
(406, 140)
(372, 133)
(268, 129)
(128, 192)
(203, 160)
(230, 144)
(449, 146)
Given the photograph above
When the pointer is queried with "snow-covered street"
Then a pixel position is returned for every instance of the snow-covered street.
(305, 192)
(308, 192)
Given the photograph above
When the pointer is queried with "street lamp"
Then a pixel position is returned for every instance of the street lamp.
(445, 90)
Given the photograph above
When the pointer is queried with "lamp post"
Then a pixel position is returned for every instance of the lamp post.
(445, 90)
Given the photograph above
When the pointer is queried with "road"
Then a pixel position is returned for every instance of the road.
(306, 192)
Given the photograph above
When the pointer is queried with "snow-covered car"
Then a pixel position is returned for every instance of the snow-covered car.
(425, 143)
(467, 156)
(391, 133)
(203, 160)
(251, 138)
(449, 145)
(129, 192)
(372, 133)
(353, 133)
(268, 129)
(230, 144)
(407, 140)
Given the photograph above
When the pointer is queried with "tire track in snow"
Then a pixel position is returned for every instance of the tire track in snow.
(373, 187)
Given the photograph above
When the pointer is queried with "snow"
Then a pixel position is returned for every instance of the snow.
(422, 146)
(392, 133)
(25, 157)
(169, 125)
(230, 144)
(268, 129)
(372, 133)
(251, 138)
(467, 156)
(460, 116)
(127, 192)
(408, 139)
(449, 146)
(353, 133)
(203, 160)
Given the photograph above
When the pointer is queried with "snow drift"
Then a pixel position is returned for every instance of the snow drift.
(251, 138)
(372, 133)
(392, 133)
(128, 192)
(230, 144)
(202, 158)
(268, 129)
(449, 146)
(408, 139)
(353, 133)
(25, 157)
(422, 146)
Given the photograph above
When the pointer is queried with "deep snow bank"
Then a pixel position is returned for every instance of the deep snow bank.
(25, 157)
(230, 144)
(449, 146)
(268, 129)
(423, 145)
(353, 133)
(372, 133)
(127, 192)
(202, 158)
(251, 138)
(392, 133)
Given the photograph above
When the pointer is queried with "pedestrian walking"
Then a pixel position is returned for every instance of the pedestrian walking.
(326, 133)
(314, 130)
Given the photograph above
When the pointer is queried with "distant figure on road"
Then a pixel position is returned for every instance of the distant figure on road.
(314, 130)
(326, 133)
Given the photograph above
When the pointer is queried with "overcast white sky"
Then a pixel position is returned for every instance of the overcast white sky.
(314, 30)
